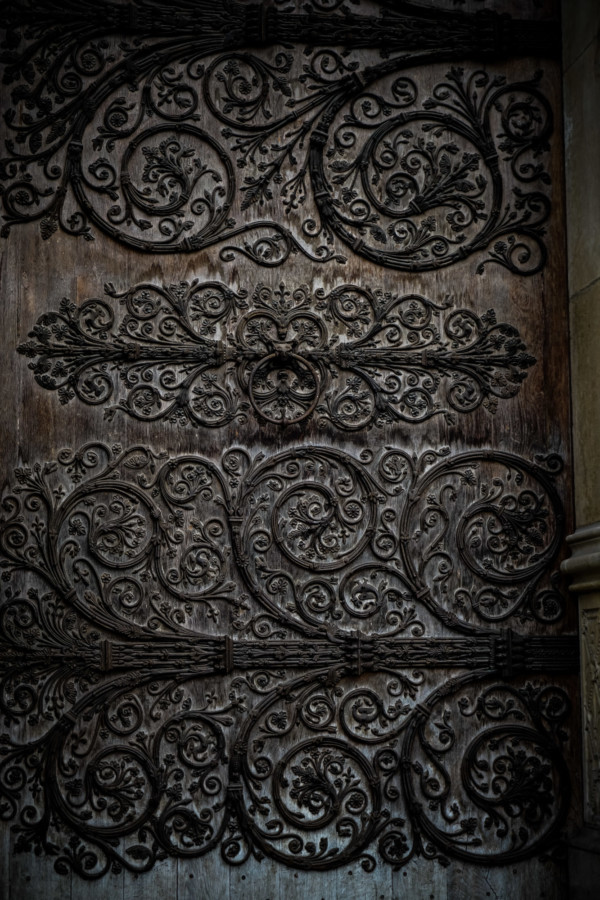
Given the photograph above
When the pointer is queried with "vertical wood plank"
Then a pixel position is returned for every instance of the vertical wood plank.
(4, 864)
(37, 880)
(158, 884)
(544, 880)
(255, 880)
(425, 882)
(108, 888)
(34, 275)
(203, 878)
(353, 882)
(299, 885)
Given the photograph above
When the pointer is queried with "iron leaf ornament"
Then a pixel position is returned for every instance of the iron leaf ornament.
(314, 655)
(202, 354)
(170, 136)
(144, 729)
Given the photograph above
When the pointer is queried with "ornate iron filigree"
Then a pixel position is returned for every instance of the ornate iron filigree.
(322, 541)
(181, 637)
(354, 357)
(146, 731)
(367, 777)
(142, 140)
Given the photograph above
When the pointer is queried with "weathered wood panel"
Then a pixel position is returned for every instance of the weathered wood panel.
(288, 624)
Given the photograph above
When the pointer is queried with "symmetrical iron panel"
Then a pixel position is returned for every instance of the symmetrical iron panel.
(298, 597)
(201, 354)
(168, 153)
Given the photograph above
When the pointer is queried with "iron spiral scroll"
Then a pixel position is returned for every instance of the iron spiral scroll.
(201, 354)
(314, 655)
(153, 732)
(171, 137)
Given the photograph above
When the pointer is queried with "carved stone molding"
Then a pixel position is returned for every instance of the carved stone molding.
(583, 566)
(583, 569)
(202, 354)
(171, 136)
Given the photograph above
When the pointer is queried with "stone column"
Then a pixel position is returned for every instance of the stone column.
(584, 569)
(581, 72)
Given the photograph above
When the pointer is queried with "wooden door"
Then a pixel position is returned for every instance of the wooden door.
(286, 449)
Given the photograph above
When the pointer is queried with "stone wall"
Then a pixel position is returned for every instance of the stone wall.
(581, 61)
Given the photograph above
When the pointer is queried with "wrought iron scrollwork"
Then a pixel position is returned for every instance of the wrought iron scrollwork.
(146, 730)
(144, 141)
(203, 354)
(322, 540)
(313, 655)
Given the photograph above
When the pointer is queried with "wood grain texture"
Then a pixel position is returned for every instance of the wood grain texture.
(323, 568)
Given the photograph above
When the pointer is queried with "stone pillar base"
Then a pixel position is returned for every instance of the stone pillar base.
(584, 569)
